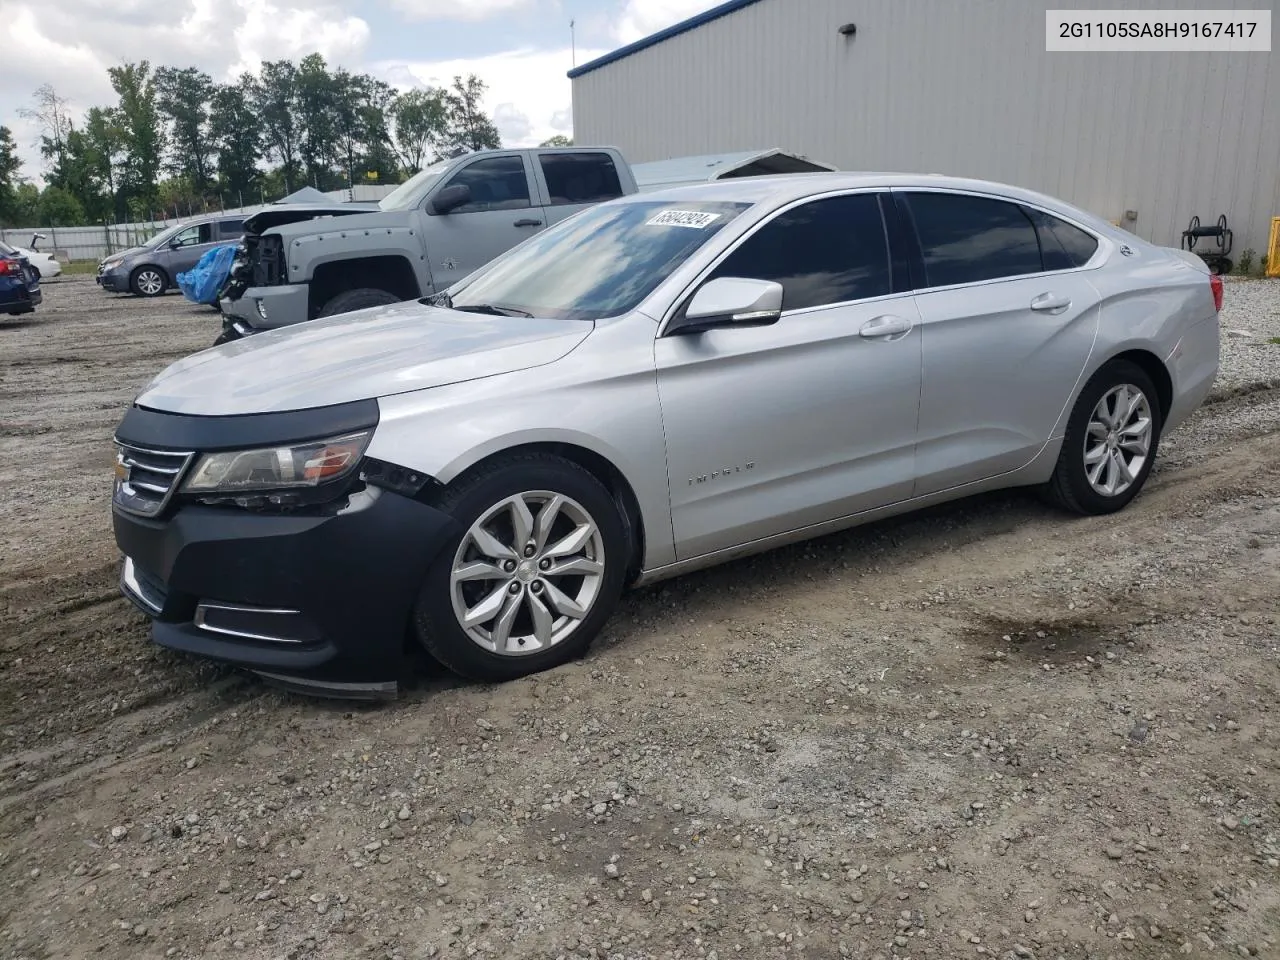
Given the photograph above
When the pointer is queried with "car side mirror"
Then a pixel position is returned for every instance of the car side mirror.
(449, 199)
(732, 302)
(174, 243)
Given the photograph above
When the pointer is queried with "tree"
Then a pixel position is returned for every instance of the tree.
(236, 136)
(183, 97)
(559, 140)
(52, 116)
(143, 139)
(26, 205)
(103, 147)
(421, 122)
(316, 105)
(360, 107)
(9, 180)
(60, 208)
(469, 127)
(275, 99)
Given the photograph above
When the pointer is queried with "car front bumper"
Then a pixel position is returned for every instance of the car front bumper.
(265, 308)
(115, 280)
(322, 602)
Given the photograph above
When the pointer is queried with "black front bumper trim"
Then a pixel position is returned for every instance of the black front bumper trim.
(156, 429)
(344, 580)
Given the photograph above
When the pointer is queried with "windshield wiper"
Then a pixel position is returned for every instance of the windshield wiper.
(489, 308)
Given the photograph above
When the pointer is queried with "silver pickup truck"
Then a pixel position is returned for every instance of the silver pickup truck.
(302, 261)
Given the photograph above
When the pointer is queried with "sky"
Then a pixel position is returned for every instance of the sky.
(520, 48)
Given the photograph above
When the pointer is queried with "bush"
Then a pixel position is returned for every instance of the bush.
(1245, 264)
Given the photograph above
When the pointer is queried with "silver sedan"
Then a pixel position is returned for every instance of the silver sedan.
(660, 383)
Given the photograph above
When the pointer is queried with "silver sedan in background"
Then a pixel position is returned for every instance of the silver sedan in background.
(660, 383)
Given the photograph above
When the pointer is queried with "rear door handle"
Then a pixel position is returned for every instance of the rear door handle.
(885, 327)
(1050, 303)
(528, 222)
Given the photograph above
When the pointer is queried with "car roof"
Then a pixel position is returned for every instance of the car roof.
(780, 189)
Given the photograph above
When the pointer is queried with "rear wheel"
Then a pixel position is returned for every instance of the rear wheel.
(1110, 443)
(532, 577)
(148, 281)
(358, 299)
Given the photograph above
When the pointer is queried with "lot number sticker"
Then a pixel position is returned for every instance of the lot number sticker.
(683, 218)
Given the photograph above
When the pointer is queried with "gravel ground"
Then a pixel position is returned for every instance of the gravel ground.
(985, 730)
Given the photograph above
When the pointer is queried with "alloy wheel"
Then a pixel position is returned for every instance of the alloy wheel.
(1117, 440)
(527, 573)
(150, 282)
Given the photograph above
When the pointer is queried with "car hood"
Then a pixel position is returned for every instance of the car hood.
(282, 213)
(124, 254)
(357, 356)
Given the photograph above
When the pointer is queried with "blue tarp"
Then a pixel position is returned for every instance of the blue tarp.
(203, 281)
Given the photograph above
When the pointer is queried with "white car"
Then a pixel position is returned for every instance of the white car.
(45, 263)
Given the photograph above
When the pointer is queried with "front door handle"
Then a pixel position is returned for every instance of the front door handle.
(885, 327)
(1050, 303)
(528, 222)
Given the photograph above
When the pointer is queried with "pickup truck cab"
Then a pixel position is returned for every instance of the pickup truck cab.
(303, 261)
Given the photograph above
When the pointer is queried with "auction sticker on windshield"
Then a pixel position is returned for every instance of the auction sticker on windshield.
(683, 218)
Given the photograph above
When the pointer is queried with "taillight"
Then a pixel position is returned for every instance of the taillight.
(1215, 284)
(11, 267)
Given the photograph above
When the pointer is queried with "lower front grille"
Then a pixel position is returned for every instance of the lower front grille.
(146, 479)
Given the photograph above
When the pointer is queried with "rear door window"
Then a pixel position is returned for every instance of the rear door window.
(580, 177)
(822, 252)
(966, 239)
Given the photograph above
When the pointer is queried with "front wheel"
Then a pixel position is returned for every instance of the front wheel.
(358, 299)
(532, 577)
(1110, 443)
(148, 281)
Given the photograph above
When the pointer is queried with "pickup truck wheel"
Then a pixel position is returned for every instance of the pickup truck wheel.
(148, 281)
(357, 299)
(534, 571)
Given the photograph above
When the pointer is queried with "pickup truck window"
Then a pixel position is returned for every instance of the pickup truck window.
(409, 194)
(580, 177)
(599, 263)
(497, 183)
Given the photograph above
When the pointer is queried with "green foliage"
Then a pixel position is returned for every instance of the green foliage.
(1244, 266)
(420, 120)
(9, 180)
(59, 207)
(469, 127)
(559, 140)
(183, 97)
(310, 123)
(141, 133)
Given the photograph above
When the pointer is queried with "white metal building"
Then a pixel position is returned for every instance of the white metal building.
(964, 88)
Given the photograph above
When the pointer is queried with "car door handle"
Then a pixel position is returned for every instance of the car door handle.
(528, 222)
(1050, 303)
(884, 327)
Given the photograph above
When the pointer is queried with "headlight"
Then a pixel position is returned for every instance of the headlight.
(298, 466)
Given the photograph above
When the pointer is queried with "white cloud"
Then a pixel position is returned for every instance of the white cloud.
(456, 9)
(71, 44)
(643, 17)
(528, 96)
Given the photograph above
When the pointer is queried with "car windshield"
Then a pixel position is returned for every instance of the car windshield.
(600, 263)
(410, 193)
(166, 234)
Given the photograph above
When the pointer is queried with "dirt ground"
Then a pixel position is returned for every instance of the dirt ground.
(987, 730)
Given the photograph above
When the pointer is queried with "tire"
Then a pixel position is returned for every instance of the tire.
(148, 281)
(357, 299)
(485, 651)
(1088, 430)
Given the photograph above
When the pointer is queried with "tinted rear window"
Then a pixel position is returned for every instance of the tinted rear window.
(965, 239)
(1062, 245)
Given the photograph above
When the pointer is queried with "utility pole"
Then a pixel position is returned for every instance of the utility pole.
(573, 44)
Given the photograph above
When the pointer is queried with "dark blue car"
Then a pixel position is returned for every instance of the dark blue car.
(19, 282)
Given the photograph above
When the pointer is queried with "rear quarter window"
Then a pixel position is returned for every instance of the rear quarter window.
(1062, 245)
